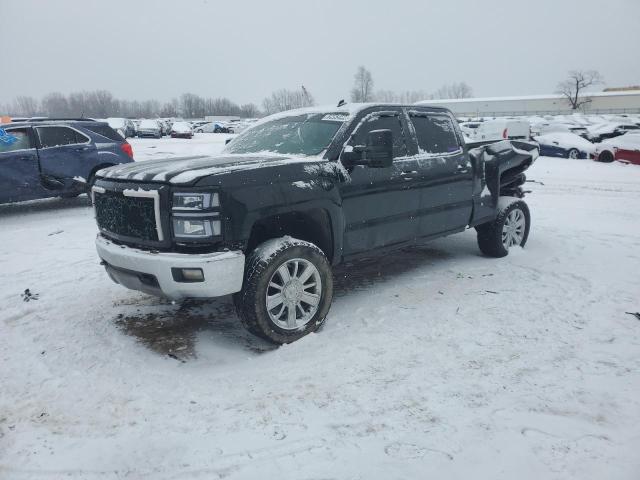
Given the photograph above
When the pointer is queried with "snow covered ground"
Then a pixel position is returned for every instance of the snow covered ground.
(434, 362)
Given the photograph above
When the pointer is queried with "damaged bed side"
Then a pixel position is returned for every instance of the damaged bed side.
(499, 171)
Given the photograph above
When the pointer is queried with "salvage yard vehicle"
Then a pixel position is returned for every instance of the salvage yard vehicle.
(601, 132)
(502, 130)
(213, 127)
(297, 193)
(565, 145)
(124, 126)
(625, 148)
(150, 128)
(181, 130)
(56, 158)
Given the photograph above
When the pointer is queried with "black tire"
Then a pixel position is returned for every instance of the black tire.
(261, 265)
(573, 153)
(605, 156)
(490, 234)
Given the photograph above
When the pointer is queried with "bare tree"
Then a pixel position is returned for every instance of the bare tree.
(573, 87)
(362, 90)
(408, 96)
(170, 109)
(27, 106)
(249, 110)
(283, 99)
(55, 104)
(221, 106)
(453, 90)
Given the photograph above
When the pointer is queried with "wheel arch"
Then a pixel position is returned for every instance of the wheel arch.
(315, 224)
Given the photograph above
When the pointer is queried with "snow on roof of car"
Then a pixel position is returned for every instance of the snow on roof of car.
(566, 140)
(630, 139)
(149, 123)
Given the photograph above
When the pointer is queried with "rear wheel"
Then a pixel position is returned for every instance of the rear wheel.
(287, 290)
(509, 229)
(574, 153)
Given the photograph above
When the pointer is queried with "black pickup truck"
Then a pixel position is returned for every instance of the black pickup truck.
(298, 192)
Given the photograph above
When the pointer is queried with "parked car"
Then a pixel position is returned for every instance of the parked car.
(181, 130)
(579, 130)
(625, 148)
(150, 128)
(502, 130)
(601, 132)
(469, 128)
(565, 145)
(123, 126)
(213, 127)
(298, 192)
(52, 158)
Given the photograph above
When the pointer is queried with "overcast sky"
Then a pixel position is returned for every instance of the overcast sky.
(245, 49)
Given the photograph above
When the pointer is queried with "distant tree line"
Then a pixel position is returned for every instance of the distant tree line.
(363, 91)
(102, 104)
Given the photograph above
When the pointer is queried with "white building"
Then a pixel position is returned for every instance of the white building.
(601, 102)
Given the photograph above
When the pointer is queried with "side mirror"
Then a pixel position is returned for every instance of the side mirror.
(377, 153)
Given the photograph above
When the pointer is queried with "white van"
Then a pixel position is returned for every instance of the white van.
(503, 129)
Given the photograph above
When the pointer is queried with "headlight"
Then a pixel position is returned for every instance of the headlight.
(195, 201)
(195, 227)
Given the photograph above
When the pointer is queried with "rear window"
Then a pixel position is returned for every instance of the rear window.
(105, 131)
(57, 136)
(435, 133)
(14, 139)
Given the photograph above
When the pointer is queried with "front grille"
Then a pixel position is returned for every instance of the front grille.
(126, 216)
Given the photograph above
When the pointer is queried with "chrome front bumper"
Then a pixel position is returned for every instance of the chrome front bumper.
(154, 273)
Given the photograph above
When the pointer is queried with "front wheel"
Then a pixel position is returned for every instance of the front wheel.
(605, 156)
(509, 229)
(287, 290)
(573, 153)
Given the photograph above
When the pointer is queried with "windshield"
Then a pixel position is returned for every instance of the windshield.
(307, 134)
(148, 124)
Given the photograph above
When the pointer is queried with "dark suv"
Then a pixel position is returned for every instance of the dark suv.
(51, 158)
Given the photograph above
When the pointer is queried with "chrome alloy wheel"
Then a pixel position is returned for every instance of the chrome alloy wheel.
(513, 228)
(293, 294)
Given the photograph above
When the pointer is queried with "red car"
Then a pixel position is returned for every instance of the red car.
(625, 148)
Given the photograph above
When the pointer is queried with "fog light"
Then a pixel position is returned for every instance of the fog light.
(187, 274)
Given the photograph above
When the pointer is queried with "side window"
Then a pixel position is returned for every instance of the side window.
(435, 133)
(15, 139)
(383, 123)
(56, 136)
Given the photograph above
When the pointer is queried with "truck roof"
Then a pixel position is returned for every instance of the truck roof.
(351, 109)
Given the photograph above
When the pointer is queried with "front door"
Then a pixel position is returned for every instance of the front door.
(65, 154)
(19, 173)
(380, 204)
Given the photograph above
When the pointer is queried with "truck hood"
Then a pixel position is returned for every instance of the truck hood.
(188, 170)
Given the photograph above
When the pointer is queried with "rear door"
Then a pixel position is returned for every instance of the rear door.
(445, 175)
(380, 204)
(19, 172)
(65, 153)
